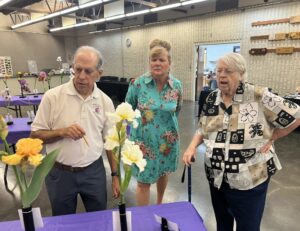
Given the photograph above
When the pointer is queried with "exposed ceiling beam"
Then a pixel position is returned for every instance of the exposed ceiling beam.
(65, 11)
(78, 17)
(151, 4)
(26, 10)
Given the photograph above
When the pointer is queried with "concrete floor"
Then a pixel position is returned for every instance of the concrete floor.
(282, 210)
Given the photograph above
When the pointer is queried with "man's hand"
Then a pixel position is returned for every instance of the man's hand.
(115, 186)
(74, 132)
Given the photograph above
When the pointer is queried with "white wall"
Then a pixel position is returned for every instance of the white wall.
(30, 43)
(111, 48)
(282, 73)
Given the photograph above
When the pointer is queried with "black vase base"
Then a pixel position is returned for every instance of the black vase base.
(10, 122)
(164, 224)
(28, 219)
(123, 219)
(29, 122)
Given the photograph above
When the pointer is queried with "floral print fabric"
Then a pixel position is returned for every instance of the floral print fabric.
(234, 135)
(157, 133)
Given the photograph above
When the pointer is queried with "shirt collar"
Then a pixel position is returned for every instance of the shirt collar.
(149, 79)
(237, 98)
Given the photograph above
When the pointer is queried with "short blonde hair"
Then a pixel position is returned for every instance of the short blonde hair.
(157, 47)
(237, 62)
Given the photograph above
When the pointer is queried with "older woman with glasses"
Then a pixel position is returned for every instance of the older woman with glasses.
(239, 125)
(72, 117)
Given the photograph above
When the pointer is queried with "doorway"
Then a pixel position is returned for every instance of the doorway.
(206, 58)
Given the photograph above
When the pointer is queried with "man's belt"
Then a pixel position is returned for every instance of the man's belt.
(292, 20)
(69, 168)
(278, 50)
(277, 36)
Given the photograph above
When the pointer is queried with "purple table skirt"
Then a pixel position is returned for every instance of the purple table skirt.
(16, 100)
(19, 129)
(183, 213)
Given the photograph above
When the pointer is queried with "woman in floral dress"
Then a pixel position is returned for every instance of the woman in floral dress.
(158, 95)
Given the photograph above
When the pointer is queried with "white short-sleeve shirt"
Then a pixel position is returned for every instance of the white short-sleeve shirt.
(63, 106)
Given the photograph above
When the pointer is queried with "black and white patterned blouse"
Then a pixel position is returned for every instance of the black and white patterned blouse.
(234, 135)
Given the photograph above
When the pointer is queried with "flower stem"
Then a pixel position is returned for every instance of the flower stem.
(24, 179)
(122, 197)
(14, 169)
(35, 82)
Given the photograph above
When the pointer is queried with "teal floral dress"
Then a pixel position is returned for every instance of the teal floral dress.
(157, 133)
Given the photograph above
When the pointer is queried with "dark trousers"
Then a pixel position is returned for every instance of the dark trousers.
(64, 186)
(244, 206)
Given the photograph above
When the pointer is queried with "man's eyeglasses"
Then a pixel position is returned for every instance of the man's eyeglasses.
(87, 71)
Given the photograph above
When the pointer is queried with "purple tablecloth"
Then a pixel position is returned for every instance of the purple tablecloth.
(17, 101)
(183, 213)
(20, 129)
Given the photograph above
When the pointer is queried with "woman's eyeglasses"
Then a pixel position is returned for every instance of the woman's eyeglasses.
(225, 70)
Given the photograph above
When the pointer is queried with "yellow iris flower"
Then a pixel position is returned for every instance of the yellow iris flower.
(26, 149)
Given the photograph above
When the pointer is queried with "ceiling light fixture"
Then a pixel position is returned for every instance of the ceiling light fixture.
(4, 2)
(165, 7)
(115, 17)
(137, 13)
(96, 31)
(192, 2)
(98, 21)
(59, 13)
(95, 21)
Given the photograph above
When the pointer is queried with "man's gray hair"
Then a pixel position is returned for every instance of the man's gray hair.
(92, 50)
(237, 62)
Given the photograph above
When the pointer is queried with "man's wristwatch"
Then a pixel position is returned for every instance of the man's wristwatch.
(114, 174)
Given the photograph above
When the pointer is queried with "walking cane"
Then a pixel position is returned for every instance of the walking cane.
(189, 179)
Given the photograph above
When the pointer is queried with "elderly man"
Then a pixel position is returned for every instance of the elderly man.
(72, 117)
